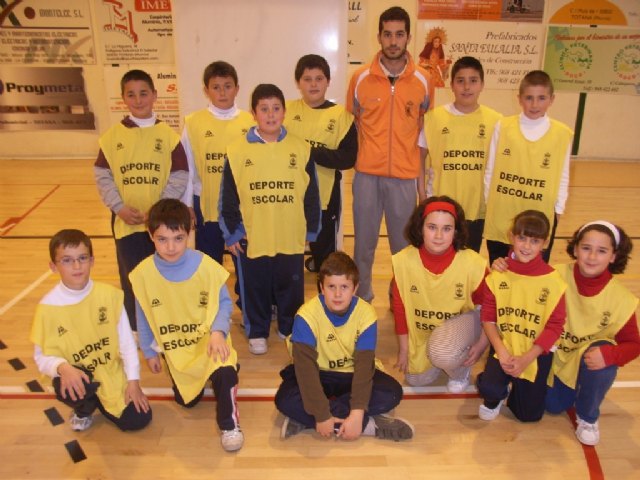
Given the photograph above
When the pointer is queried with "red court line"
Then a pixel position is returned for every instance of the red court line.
(17, 220)
(590, 454)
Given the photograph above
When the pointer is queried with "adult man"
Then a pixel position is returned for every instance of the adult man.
(388, 99)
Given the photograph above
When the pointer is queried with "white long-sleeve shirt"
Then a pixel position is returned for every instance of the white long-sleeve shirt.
(61, 295)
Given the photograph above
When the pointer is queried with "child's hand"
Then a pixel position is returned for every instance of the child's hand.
(131, 216)
(506, 360)
(72, 382)
(154, 364)
(476, 350)
(518, 365)
(500, 265)
(235, 249)
(351, 427)
(326, 428)
(217, 346)
(134, 394)
(402, 362)
(593, 359)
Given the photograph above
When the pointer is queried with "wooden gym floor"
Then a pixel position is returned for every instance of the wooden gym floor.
(40, 197)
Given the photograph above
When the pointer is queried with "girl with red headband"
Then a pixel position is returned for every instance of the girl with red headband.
(523, 313)
(437, 284)
(601, 332)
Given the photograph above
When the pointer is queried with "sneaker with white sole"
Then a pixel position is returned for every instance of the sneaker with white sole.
(390, 428)
(488, 414)
(460, 385)
(80, 424)
(290, 427)
(258, 346)
(587, 433)
(424, 378)
(232, 440)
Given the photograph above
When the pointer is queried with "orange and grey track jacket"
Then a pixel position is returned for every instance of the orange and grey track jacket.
(389, 118)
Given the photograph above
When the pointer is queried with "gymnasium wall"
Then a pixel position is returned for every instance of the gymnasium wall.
(265, 38)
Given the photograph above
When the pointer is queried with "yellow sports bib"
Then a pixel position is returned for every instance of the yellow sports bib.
(336, 345)
(589, 319)
(526, 175)
(458, 149)
(271, 181)
(523, 306)
(180, 315)
(209, 137)
(320, 127)
(86, 334)
(431, 299)
(140, 161)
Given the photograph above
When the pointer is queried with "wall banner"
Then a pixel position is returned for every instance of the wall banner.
(357, 51)
(507, 50)
(43, 98)
(166, 83)
(594, 12)
(594, 60)
(135, 31)
(51, 32)
(497, 10)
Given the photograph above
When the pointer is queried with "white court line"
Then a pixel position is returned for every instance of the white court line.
(25, 292)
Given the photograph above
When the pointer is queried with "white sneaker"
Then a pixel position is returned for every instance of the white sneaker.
(232, 440)
(80, 424)
(488, 414)
(258, 346)
(587, 433)
(459, 386)
(424, 378)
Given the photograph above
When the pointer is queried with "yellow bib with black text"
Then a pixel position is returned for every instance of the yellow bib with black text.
(589, 319)
(523, 305)
(271, 181)
(431, 299)
(140, 161)
(86, 334)
(209, 137)
(320, 127)
(180, 315)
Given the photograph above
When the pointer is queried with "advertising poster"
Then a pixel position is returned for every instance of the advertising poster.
(43, 98)
(46, 32)
(594, 60)
(594, 12)
(497, 10)
(166, 83)
(357, 51)
(135, 31)
(507, 50)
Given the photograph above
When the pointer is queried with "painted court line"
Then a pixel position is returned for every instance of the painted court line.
(24, 292)
(13, 221)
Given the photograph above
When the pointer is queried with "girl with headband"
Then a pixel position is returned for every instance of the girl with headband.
(601, 332)
(523, 313)
(437, 284)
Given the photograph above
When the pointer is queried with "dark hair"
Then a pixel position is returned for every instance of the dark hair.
(171, 213)
(265, 90)
(413, 229)
(219, 69)
(307, 62)
(467, 62)
(622, 251)
(531, 223)
(392, 14)
(339, 263)
(69, 238)
(136, 75)
(536, 78)
(428, 49)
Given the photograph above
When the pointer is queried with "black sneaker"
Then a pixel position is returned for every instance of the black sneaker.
(392, 428)
(290, 428)
(310, 265)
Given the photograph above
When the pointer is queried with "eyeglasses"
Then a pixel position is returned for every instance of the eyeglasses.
(69, 261)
